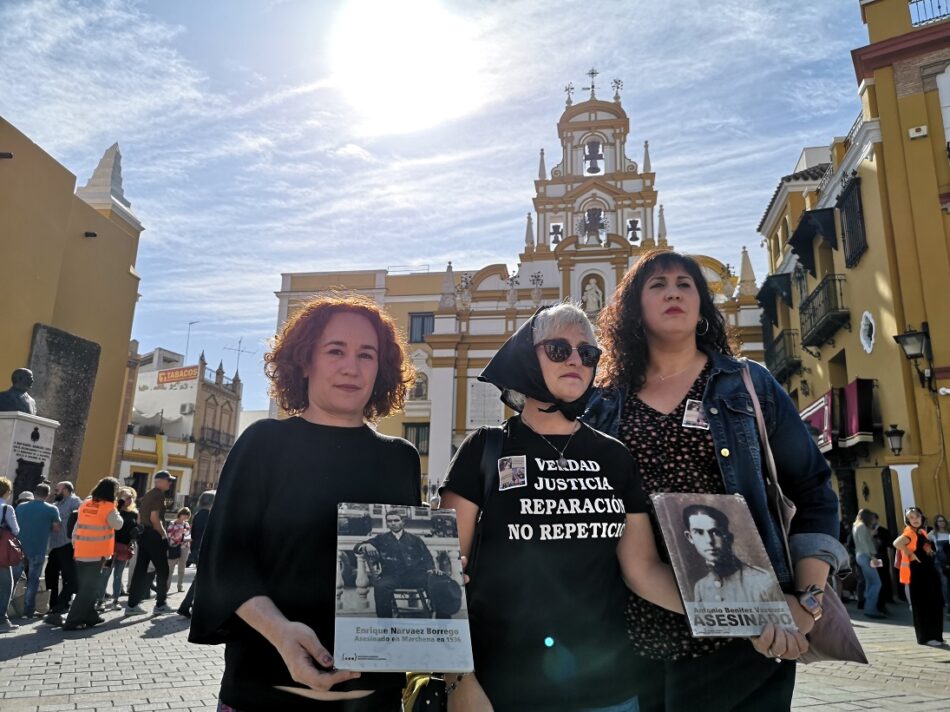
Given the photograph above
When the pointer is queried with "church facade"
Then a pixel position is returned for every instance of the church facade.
(596, 211)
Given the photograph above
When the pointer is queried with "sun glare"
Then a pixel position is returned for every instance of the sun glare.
(406, 66)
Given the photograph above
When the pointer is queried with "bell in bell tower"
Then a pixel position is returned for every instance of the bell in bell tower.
(596, 196)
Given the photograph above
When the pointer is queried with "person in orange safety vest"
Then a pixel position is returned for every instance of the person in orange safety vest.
(93, 544)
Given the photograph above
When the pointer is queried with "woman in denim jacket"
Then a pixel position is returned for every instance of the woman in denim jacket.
(674, 394)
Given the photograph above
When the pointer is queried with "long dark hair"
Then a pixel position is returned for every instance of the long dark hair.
(625, 358)
(105, 490)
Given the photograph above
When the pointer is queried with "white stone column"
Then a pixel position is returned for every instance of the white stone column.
(442, 395)
(906, 484)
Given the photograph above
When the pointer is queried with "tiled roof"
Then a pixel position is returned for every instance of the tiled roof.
(809, 174)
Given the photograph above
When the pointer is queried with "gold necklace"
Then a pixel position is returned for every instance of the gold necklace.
(664, 378)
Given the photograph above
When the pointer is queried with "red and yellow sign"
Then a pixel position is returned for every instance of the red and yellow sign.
(173, 375)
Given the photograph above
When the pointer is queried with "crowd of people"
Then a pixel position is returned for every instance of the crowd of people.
(588, 622)
(74, 546)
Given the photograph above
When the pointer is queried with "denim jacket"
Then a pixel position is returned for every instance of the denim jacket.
(803, 472)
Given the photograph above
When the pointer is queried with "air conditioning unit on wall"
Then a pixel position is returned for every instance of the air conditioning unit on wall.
(187, 408)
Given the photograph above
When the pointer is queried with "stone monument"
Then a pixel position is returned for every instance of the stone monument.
(26, 440)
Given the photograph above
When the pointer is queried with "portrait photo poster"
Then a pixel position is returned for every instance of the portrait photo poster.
(400, 597)
(722, 570)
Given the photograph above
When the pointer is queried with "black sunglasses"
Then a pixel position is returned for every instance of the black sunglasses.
(559, 350)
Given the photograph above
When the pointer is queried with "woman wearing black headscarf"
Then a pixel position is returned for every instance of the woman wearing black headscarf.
(562, 525)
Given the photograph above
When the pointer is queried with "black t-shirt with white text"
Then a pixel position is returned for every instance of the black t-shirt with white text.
(546, 598)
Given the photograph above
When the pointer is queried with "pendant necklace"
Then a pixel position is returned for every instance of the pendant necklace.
(561, 460)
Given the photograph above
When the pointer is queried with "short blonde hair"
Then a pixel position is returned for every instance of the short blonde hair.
(5, 486)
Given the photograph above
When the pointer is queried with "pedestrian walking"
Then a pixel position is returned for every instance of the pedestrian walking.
(265, 585)
(153, 548)
(38, 520)
(7, 521)
(940, 538)
(920, 575)
(94, 544)
(60, 562)
(198, 526)
(865, 554)
(179, 546)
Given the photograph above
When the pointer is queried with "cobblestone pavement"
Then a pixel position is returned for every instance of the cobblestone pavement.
(145, 663)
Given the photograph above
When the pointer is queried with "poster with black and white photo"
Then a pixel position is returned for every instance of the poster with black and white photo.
(723, 572)
(400, 598)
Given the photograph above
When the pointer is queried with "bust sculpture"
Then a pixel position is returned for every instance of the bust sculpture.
(18, 397)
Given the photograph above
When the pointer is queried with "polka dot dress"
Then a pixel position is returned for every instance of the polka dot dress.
(671, 459)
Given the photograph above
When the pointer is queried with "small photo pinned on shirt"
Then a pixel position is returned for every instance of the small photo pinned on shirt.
(694, 416)
(512, 472)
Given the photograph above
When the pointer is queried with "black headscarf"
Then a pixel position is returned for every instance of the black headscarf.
(515, 368)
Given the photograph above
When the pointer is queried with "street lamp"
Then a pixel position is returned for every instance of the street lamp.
(916, 345)
(895, 439)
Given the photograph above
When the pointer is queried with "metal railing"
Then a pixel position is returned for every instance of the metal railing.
(781, 356)
(924, 12)
(213, 436)
(855, 127)
(823, 312)
(825, 180)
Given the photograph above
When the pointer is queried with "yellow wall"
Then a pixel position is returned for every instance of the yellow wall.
(55, 276)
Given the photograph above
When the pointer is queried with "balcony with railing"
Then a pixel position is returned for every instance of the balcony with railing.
(218, 438)
(781, 356)
(823, 312)
(925, 12)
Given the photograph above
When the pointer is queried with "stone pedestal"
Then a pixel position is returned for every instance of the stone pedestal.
(26, 447)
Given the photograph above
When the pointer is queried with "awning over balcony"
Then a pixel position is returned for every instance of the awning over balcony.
(817, 418)
(775, 285)
(812, 223)
(857, 418)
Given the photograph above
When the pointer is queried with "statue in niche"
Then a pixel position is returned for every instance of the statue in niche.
(18, 398)
(593, 297)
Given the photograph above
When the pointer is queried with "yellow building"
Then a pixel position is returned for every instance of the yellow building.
(68, 294)
(594, 213)
(858, 238)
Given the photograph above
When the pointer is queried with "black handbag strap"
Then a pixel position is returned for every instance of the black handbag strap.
(488, 465)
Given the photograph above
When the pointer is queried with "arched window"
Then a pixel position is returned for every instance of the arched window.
(420, 389)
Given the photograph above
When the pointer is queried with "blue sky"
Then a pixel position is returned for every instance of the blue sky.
(267, 136)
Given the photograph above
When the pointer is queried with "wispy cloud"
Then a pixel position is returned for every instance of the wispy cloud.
(239, 180)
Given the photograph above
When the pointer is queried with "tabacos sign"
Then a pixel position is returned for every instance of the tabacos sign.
(174, 375)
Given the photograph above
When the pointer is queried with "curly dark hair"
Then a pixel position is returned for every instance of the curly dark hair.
(105, 490)
(287, 362)
(626, 355)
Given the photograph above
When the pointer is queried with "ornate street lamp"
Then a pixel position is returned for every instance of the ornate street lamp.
(916, 345)
(895, 439)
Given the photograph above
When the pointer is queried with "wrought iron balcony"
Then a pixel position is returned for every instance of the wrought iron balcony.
(219, 438)
(823, 311)
(924, 12)
(781, 356)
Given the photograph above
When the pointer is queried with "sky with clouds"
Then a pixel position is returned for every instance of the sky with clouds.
(269, 136)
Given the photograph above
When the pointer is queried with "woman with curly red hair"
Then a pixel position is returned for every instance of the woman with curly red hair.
(266, 587)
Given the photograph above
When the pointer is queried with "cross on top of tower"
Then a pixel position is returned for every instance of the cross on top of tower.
(593, 75)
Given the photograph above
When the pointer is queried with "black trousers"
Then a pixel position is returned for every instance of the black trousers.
(735, 678)
(389, 582)
(83, 609)
(152, 549)
(60, 563)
